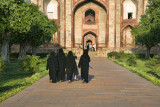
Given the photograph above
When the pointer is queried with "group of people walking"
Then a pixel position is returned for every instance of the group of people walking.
(59, 65)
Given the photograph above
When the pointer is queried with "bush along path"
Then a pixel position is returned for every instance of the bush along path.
(146, 68)
(19, 75)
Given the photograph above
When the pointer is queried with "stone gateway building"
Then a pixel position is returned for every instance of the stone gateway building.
(104, 23)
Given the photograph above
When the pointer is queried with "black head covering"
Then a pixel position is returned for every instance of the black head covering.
(85, 52)
(70, 59)
(52, 54)
(60, 50)
(61, 56)
(85, 55)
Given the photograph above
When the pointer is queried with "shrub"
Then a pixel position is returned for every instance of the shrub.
(116, 55)
(153, 63)
(132, 60)
(31, 64)
(120, 55)
(112, 54)
(2, 65)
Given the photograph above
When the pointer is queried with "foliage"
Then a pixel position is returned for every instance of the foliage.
(148, 30)
(153, 63)
(42, 30)
(23, 23)
(13, 80)
(141, 70)
(112, 54)
(2, 65)
(116, 55)
(132, 60)
(31, 64)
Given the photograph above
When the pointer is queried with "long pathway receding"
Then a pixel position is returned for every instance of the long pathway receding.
(110, 86)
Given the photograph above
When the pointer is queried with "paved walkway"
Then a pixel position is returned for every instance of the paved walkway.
(110, 86)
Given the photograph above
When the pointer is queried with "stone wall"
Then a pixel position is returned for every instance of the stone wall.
(68, 23)
(140, 9)
(118, 22)
(78, 26)
(99, 28)
(113, 12)
(62, 21)
(111, 23)
(102, 26)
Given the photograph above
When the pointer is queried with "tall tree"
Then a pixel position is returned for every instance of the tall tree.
(7, 8)
(41, 31)
(32, 27)
(44, 33)
(24, 19)
(147, 32)
(154, 11)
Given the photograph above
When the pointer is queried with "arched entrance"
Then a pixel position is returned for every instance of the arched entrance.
(87, 16)
(89, 39)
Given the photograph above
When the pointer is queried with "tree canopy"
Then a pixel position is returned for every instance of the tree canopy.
(23, 23)
(147, 32)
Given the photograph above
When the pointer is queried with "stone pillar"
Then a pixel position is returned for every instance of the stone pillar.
(62, 23)
(68, 24)
(102, 26)
(140, 9)
(41, 5)
(111, 23)
(118, 22)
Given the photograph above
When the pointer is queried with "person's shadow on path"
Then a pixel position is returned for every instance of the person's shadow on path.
(90, 77)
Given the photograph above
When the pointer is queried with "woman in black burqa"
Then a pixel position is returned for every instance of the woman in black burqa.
(84, 65)
(62, 65)
(70, 65)
(52, 65)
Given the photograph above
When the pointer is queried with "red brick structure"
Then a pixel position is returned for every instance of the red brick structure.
(106, 23)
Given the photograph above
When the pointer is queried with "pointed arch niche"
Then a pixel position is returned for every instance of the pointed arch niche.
(90, 16)
(51, 8)
(127, 37)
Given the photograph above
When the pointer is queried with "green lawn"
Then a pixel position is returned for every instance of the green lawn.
(141, 70)
(13, 80)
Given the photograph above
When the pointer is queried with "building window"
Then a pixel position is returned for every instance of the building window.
(130, 15)
(129, 9)
(90, 16)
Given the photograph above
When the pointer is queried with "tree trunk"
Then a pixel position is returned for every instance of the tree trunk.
(34, 50)
(5, 50)
(22, 50)
(158, 51)
(147, 56)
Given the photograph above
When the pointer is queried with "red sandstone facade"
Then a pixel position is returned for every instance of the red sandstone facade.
(106, 23)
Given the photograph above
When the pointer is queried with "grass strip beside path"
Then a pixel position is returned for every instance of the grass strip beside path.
(140, 69)
(13, 80)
